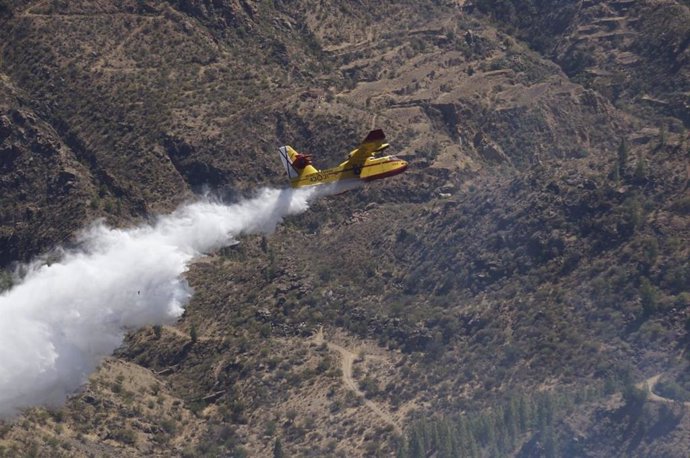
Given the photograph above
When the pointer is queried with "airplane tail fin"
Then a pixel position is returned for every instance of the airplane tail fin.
(296, 164)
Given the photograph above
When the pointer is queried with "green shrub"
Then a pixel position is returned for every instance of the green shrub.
(672, 390)
(681, 206)
(6, 8)
(193, 333)
(169, 426)
(270, 428)
(5, 280)
(634, 397)
(648, 297)
(124, 435)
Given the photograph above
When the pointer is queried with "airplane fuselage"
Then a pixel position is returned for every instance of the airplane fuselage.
(373, 168)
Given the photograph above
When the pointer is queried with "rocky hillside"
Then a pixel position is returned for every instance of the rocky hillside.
(636, 54)
(509, 295)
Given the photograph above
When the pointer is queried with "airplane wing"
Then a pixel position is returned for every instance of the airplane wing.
(374, 143)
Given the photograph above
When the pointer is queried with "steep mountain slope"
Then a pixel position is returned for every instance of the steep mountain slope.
(40, 176)
(532, 264)
(637, 54)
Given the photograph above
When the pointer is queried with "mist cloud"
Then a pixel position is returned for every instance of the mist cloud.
(62, 319)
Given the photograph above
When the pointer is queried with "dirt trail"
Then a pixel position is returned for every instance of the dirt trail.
(179, 332)
(649, 385)
(111, 54)
(347, 360)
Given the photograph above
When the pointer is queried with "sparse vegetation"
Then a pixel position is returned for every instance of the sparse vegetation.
(5, 280)
(193, 333)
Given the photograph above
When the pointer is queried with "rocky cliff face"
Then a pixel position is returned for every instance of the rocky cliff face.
(45, 189)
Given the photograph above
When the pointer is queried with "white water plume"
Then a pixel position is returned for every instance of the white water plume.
(62, 319)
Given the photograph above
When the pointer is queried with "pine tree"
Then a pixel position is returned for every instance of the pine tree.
(498, 420)
(663, 135)
(648, 296)
(616, 174)
(445, 443)
(5, 280)
(278, 449)
(434, 436)
(467, 443)
(550, 444)
(417, 447)
(403, 452)
(622, 156)
(523, 415)
(193, 333)
(640, 169)
(510, 418)
(487, 431)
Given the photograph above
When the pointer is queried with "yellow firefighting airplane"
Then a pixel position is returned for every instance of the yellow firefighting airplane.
(362, 164)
